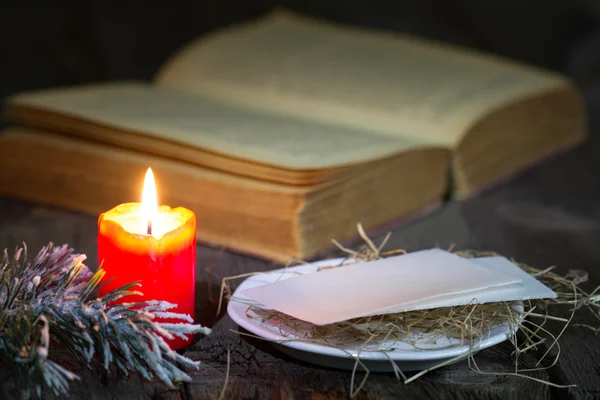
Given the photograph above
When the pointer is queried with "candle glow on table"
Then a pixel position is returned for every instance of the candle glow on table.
(155, 245)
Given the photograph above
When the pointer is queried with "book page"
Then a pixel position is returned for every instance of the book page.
(382, 82)
(197, 121)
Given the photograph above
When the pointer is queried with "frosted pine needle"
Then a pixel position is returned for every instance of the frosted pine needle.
(46, 304)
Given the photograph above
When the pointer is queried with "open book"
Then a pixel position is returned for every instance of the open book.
(285, 132)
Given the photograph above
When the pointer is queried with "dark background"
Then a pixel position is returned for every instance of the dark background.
(47, 43)
(544, 217)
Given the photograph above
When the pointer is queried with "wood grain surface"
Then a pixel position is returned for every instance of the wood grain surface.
(549, 215)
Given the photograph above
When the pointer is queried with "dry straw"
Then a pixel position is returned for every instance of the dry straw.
(466, 324)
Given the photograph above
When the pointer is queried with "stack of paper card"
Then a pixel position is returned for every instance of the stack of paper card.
(415, 281)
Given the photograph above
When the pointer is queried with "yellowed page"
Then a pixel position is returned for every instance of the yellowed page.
(387, 83)
(220, 127)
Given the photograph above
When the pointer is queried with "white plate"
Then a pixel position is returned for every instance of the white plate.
(407, 357)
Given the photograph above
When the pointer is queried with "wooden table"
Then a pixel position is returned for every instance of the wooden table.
(550, 215)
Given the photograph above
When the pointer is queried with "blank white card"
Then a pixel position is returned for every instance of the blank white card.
(418, 280)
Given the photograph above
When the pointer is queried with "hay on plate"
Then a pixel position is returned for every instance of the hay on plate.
(462, 324)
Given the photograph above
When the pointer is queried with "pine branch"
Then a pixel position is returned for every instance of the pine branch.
(46, 303)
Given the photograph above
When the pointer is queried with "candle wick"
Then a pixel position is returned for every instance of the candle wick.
(149, 230)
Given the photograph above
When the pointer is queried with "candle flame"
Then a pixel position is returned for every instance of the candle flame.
(149, 204)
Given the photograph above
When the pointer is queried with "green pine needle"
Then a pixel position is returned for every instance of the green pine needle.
(47, 304)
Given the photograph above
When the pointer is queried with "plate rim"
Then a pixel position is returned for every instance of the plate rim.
(364, 355)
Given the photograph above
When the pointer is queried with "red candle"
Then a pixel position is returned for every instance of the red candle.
(155, 245)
